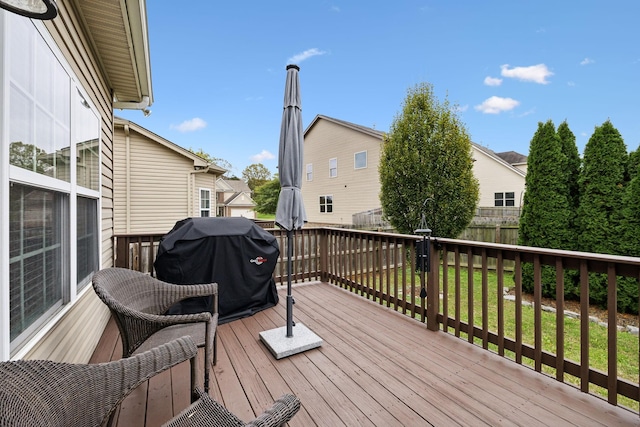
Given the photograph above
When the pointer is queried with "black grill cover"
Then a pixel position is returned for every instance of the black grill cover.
(233, 252)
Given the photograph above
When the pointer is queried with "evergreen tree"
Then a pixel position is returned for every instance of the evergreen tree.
(426, 167)
(634, 163)
(602, 181)
(628, 287)
(546, 212)
(570, 150)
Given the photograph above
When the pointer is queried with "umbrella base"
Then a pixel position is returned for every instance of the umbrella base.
(281, 346)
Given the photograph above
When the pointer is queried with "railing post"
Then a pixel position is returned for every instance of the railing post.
(433, 290)
(324, 249)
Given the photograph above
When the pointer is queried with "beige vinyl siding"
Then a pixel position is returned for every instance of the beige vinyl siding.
(494, 179)
(157, 183)
(74, 336)
(353, 190)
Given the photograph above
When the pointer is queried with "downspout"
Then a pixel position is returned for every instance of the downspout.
(127, 148)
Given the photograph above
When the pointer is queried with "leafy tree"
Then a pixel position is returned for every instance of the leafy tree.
(547, 215)
(29, 156)
(266, 196)
(224, 164)
(602, 190)
(255, 175)
(426, 167)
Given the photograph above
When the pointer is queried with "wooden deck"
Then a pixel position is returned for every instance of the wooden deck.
(375, 368)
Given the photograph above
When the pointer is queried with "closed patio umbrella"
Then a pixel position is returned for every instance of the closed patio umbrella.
(290, 214)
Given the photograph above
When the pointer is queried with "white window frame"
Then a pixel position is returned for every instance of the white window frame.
(328, 201)
(333, 167)
(71, 290)
(202, 209)
(502, 200)
(355, 160)
(309, 170)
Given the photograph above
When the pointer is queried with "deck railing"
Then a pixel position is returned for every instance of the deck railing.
(382, 267)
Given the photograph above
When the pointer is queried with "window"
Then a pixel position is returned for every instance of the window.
(205, 202)
(333, 168)
(38, 224)
(309, 171)
(360, 160)
(326, 204)
(505, 199)
(53, 143)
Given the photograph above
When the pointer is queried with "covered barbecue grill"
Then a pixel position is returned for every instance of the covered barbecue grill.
(234, 252)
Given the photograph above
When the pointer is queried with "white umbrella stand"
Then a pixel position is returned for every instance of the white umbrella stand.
(290, 215)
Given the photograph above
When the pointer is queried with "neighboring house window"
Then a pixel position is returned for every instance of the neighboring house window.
(205, 202)
(333, 168)
(326, 204)
(505, 199)
(309, 171)
(54, 178)
(360, 160)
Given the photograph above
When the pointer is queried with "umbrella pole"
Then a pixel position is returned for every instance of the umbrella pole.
(289, 296)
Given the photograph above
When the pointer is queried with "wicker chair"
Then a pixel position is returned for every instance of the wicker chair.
(45, 393)
(138, 302)
(207, 412)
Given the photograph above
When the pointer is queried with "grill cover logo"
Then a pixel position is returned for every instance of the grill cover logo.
(258, 260)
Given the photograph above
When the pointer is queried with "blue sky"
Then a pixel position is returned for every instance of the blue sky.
(218, 68)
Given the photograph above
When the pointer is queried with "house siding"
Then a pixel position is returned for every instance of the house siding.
(150, 176)
(353, 190)
(494, 179)
(81, 323)
(358, 190)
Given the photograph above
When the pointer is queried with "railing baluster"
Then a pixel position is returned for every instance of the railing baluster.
(559, 320)
(470, 299)
(445, 288)
(537, 310)
(500, 302)
(612, 334)
(584, 327)
(485, 301)
(518, 280)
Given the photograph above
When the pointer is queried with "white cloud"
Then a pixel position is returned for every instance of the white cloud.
(461, 108)
(533, 73)
(492, 81)
(295, 59)
(335, 9)
(496, 105)
(587, 61)
(262, 156)
(190, 125)
(571, 83)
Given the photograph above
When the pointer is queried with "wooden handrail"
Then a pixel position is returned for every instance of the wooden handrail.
(381, 267)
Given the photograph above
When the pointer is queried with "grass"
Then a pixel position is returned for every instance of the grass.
(266, 217)
(628, 354)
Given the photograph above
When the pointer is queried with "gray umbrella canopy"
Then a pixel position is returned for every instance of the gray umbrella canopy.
(290, 213)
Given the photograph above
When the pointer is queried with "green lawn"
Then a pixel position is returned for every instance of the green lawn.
(628, 353)
(266, 217)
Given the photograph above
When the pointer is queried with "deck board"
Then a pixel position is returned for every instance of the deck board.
(375, 368)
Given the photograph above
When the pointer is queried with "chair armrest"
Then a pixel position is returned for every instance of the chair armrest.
(172, 319)
(171, 293)
(280, 412)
